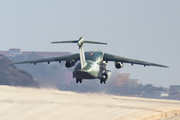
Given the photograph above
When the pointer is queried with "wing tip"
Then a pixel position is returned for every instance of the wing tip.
(164, 66)
(167, 67)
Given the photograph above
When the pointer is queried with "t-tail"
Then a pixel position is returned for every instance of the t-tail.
(80, 43)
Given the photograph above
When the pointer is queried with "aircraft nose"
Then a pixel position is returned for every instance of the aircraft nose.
(79, 73)
(82, 74)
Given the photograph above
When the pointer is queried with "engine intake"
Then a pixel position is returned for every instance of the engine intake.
(118, 65)
(69, 64)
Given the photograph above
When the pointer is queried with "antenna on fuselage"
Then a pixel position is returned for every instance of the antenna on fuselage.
(80, 43)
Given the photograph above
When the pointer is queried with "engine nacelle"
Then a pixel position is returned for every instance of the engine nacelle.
(106, 75)
(69, 64)
(118, 65)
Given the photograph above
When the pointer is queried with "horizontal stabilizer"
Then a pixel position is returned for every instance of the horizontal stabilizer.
(72, 41)
(94, 42)
(76, 41)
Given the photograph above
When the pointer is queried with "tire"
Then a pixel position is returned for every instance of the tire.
(80, 81)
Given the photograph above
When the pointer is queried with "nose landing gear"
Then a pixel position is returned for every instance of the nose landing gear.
(78, 80)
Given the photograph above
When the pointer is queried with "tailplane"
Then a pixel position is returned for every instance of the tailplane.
(81, 50)
(80, 40)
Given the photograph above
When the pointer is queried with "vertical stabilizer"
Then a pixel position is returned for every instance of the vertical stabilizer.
(81, 52)
(80, 43)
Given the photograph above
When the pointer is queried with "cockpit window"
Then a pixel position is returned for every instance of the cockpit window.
(95, 55)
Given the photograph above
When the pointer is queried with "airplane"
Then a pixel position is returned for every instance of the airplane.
(92, 64)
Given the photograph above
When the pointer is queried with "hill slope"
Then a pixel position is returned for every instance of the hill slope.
(10, 75)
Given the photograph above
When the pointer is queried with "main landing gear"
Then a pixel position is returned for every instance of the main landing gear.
(78, 80)
(103, 81)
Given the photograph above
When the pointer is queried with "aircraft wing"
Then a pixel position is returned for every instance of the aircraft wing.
(59, 59)
(110, 57)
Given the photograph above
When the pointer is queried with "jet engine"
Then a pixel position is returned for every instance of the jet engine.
(106, 75)
(118, 65)
(69, 64)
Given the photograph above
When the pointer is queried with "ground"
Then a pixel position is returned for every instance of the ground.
(51, 104)
(173, 118)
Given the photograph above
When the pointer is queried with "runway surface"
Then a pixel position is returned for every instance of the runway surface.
(173, 118)
(18, 103)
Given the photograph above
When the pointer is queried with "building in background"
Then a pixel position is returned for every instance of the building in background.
(133, 83)
(174, 92)
(15, 51)
(175, 88)
(122, 80)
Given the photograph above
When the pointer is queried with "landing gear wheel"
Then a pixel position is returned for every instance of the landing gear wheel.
(103, 81)
(78, 80)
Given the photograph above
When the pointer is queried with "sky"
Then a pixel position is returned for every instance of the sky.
(144, 30)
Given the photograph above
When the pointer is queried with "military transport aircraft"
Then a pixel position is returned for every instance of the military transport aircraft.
(91, 65)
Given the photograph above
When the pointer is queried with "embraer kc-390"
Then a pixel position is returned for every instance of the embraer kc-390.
(91, 65)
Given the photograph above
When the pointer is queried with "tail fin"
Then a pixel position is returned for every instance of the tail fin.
(81, 50)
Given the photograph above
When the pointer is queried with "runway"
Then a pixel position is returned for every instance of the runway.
(51, 104)
(173, 118)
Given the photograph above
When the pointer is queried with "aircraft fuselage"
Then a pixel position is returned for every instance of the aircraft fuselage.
(94, 68)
